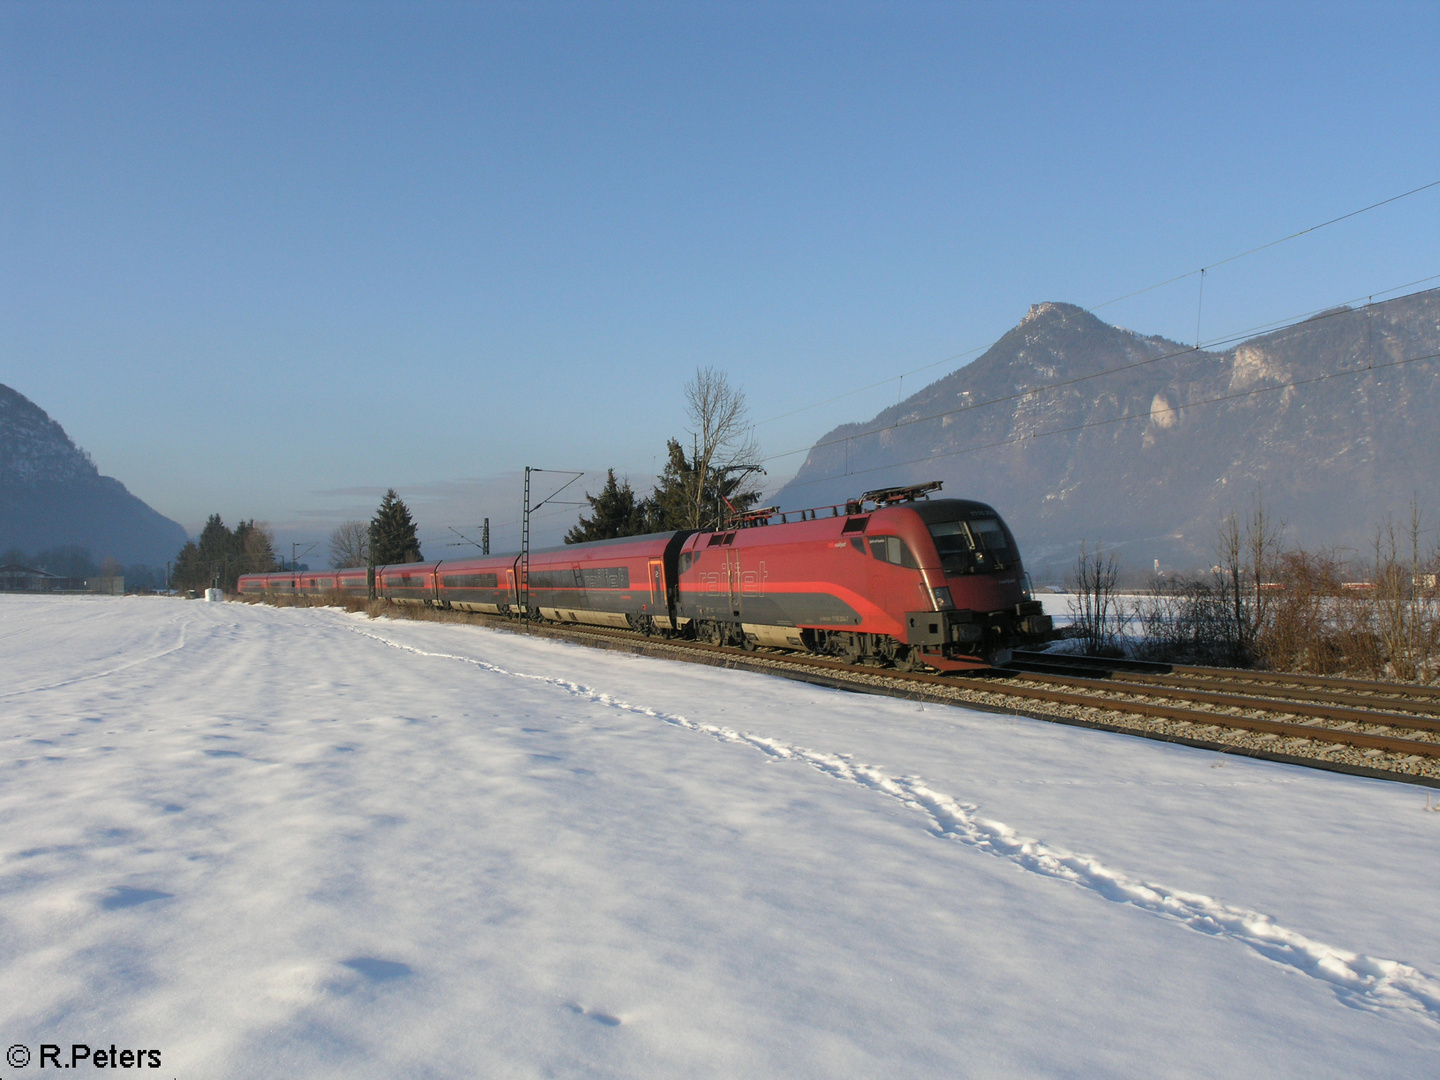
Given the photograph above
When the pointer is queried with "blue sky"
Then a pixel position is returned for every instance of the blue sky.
(268, 260)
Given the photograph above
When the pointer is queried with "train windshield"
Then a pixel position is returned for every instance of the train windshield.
(977, 546)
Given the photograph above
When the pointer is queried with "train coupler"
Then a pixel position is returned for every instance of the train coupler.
(939, 628)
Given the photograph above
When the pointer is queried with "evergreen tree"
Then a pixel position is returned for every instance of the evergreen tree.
(671, 504)
(254, 548)
(199, 564)
(217, 552)
(220, 556)
(682, 501)
(392, 533)
(615, 512)
(188, 572)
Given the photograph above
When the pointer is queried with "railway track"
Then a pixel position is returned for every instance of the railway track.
(1292, 686)
(1389, 730)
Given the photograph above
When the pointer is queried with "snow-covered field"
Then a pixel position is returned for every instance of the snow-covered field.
(285, 842)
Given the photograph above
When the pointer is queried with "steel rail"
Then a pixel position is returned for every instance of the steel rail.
(1211, 719)
(1288, 706)
(1298, 679)
(1422, 704)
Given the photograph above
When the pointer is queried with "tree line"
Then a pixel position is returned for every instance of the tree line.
(1275, 605)
(699, 489)
(390, 537)
(222, 554)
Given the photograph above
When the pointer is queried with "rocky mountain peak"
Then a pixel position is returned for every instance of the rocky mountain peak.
(34, 448)
(1050, 310)
(51, 495)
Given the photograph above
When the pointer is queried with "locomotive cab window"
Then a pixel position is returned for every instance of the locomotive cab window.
(892, 549)
(978, 546)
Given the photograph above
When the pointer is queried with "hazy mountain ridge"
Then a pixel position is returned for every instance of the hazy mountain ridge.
(52, 495)
(34, 448)
(1152, 456)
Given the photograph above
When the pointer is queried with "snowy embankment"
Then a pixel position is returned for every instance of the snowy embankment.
(295, 842)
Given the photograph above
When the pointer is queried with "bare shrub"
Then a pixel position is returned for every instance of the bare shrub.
(1183, 619)
(1297, 610)
(1300, 631)
(1095, 606)
(1355, 635)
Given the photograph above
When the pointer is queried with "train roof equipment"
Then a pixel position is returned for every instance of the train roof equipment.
(880, 498)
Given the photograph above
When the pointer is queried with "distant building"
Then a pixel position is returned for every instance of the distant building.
(17, 578)
(27, 579)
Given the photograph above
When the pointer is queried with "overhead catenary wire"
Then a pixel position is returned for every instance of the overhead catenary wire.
(1266, 246)
(1312, 316)
(1211, 265)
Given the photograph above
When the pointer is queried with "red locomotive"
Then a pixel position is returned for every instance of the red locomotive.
(890, 578)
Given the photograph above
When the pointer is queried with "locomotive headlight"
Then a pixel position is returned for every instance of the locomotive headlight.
(943, 602)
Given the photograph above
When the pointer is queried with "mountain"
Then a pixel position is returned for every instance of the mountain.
(1077, 430)
(52, 495)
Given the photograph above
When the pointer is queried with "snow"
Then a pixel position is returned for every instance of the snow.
(297, 842)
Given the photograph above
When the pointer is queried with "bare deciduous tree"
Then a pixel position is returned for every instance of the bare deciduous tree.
(350, 545)
(1249, 552)
(1405, 619)
(723, 435)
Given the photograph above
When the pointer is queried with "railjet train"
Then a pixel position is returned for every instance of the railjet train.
(893, 578)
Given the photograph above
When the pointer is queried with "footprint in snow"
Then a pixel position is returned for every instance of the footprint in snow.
(377, 970)
(594, 1014)
(123, 896)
